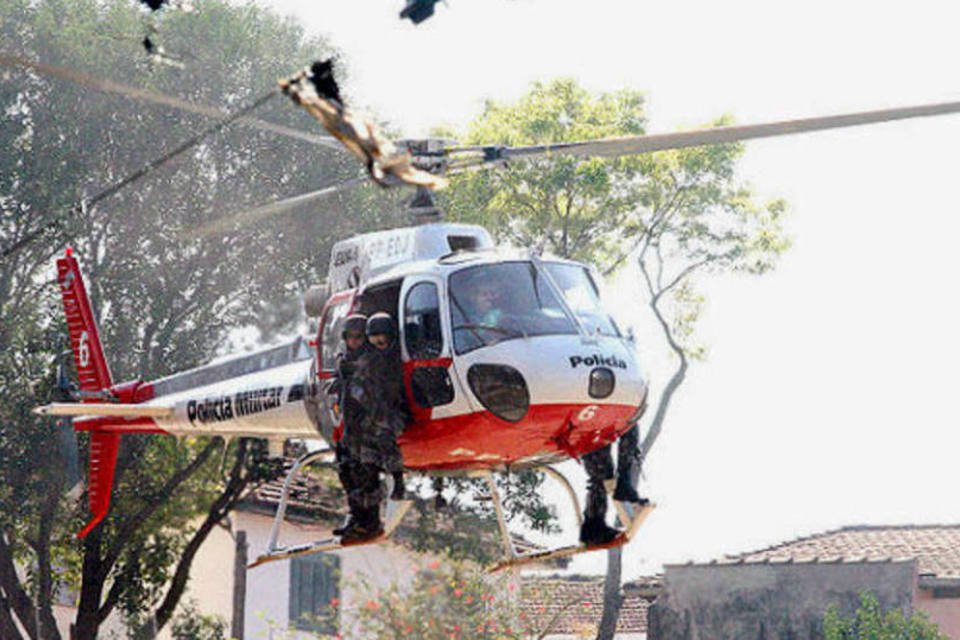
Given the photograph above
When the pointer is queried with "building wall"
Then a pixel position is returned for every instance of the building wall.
(943, 611)
(770, 601)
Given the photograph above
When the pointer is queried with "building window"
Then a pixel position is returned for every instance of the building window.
(314, 588)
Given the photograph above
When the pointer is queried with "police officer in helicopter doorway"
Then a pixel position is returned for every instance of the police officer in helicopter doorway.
(375, 414)
(355, 347)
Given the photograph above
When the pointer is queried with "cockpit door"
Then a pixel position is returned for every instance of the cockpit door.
(428, 374)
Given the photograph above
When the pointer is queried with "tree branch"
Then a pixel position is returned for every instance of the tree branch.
(48, 623)
(120, 583)
(155, 502)
(8, 627)
(218, 511)
(16, 596)
(684, 273)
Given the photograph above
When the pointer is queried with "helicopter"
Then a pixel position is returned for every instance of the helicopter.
(551, 378)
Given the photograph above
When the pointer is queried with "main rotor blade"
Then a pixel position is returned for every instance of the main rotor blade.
(228, 222)
(633, 145)
(144, 95)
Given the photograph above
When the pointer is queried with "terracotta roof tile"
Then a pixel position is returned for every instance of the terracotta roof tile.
(572, 605)
(935, 547)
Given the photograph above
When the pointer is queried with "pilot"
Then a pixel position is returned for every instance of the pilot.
(483, 298)
(377, 389)
(599, 467)
(356, 345)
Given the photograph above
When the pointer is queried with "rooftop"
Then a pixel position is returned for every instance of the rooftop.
(573, 604)
(935, 547)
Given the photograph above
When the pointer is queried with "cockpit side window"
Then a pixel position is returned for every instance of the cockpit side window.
(423, 334)
(583, 297)
(331, 338)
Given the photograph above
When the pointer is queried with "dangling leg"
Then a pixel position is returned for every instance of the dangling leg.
(599, 467)
(628, 468)
(367, 496)
(347, 472)
(391, 457)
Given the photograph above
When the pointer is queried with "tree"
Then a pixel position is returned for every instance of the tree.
(870, 622)
(166, 294)
(679, 215)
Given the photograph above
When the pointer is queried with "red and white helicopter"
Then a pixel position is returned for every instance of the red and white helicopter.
(541, 376)
(550, 378)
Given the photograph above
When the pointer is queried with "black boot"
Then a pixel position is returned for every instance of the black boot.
(626, 493)
(348, 523)
(399, 491)
(343, 527)
(595, 531)
(367, 527)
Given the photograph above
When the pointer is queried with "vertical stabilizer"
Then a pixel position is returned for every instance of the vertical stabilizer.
(84, 338)
(94, 377)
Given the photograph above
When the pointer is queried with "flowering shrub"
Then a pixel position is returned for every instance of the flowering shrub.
(449, 600)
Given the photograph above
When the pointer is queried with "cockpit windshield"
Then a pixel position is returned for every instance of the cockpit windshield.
(495, 302)
(582, 296)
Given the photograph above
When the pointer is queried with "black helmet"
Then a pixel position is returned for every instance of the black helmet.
(355, 323)
(381, 323)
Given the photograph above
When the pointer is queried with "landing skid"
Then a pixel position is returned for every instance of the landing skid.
(396, 510)
(629, 513)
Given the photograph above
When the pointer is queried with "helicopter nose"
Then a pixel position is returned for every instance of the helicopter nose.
(553, 370)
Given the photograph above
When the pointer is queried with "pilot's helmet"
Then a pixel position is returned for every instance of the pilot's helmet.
(355, 323)
(381, 324)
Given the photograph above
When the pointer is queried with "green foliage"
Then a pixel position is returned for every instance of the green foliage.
(190, 624)
(871, 623)
(444, 600)
(466, 528)
(570, 207)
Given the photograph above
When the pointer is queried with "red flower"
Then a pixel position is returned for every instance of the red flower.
(334, 602)
(458, 592)
(373, 605)
(433, 566)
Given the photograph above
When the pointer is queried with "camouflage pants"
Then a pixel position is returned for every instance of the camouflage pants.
(374, 442)
(599, 467)
(361, 482)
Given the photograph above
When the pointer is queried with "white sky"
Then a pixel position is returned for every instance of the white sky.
(828, 397)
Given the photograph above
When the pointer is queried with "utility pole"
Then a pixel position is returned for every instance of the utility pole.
(239, 585)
